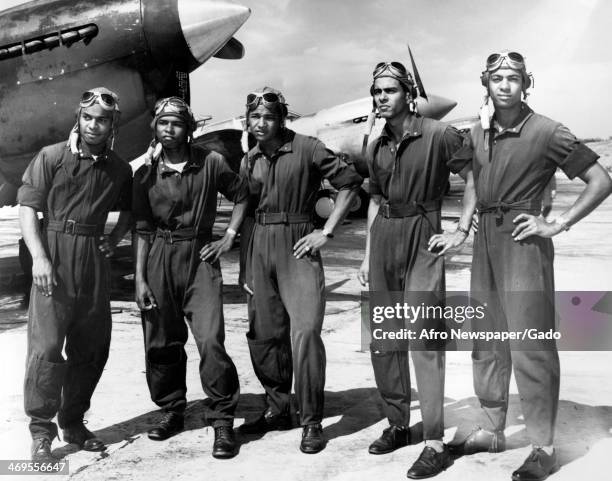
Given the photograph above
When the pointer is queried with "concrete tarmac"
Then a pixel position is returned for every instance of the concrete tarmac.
(121, 410)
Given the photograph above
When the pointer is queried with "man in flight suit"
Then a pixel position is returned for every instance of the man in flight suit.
(285, 170)
(409, 168)
(178, 274)
(514, 156)
(75, 185)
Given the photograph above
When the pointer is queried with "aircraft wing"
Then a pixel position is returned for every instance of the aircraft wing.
(226, 142)
(464, 124)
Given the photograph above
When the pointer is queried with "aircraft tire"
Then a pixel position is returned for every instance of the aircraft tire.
(323, 206)
(359, 209)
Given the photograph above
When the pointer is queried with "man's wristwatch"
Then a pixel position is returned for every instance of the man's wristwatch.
(461, 229)
(563, 222)
(327, 233)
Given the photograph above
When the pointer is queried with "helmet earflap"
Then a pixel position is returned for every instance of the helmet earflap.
(414, 93)
(284, 110)
(484, 79)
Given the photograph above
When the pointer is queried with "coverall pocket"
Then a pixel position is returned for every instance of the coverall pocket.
(271, 361)
(166, 381)
(43, 388)
(79, 385)
(491, 376)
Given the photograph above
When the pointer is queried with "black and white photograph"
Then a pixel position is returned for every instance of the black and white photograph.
(305, 240)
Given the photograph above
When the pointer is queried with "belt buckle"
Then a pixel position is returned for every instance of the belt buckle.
(386, 210)
(69, 227)
(500, 210)
(284, 218)
(165, 234)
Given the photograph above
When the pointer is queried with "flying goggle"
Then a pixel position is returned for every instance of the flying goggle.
(174, 106)
(268, 98)
(179, 104)
(397, 69)
(514, 60)
(107, 101)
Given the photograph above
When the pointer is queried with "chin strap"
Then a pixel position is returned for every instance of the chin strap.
(73, 139)
(486, 113)
(413, 107)
(153, 152)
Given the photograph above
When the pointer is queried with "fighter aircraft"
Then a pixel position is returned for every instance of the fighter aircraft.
(53, 50)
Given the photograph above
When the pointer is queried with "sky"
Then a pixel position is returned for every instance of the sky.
(321, 53)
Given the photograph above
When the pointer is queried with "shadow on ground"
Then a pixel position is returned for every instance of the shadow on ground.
(579, 426)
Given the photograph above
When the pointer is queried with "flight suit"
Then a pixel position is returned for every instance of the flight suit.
(516, 279)
(75, 194)
(286, 314)
(411, 178)
(178, 210)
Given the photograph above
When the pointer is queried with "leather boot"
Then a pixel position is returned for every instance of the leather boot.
(480, 441)
(81, 436)
(537, 467)
(312, 439)
(225, 445)
(170, 424)
(430, 463)
(41, 451)
(268, 421)
(392, 438)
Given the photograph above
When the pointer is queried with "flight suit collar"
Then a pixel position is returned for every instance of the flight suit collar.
(194, 162)
(520, 121)
(80, 155)
(286, 147)
(412, 130)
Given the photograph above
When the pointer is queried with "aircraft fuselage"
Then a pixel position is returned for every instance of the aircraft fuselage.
(51, 51)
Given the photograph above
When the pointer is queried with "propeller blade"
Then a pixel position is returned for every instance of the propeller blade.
(417, 77)
(232, 50)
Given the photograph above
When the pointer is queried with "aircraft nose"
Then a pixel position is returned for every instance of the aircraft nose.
(446, 105)
(208, 25)
(435, 107)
